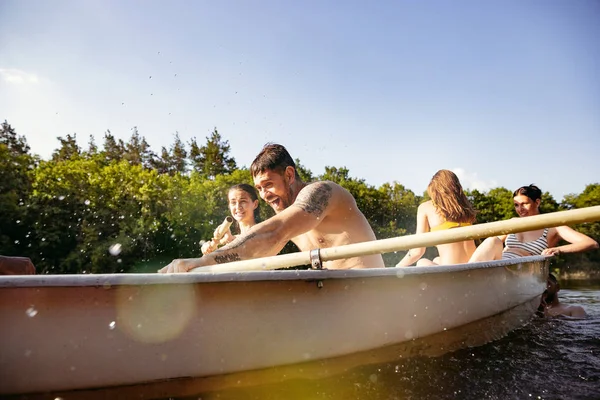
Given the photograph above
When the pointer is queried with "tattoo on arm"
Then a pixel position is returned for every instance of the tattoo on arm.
(225, 258)
(314, 198)
(233, 256)
(239, 241)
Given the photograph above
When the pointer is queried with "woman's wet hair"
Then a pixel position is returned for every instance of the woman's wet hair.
(449, 199)
(531, 191)
(251, 190)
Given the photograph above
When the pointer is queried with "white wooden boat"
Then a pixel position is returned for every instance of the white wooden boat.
(73, 332)
(70, 332)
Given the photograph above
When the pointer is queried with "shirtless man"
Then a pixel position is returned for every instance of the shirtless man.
(550, 306)
(312, 215)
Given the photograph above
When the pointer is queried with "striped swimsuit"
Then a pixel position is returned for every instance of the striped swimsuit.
(535, 247)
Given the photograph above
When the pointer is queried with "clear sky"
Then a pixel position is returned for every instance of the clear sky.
(505, 92)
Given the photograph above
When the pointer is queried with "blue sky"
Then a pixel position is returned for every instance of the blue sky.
(506, 93)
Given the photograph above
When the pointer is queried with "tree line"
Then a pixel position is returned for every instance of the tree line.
(111, 209)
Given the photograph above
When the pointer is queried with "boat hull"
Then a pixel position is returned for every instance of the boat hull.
(75, 332)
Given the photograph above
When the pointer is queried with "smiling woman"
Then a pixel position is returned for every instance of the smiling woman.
(527, 200)
(243, 206)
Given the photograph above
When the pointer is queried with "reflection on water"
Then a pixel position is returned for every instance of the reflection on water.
(547, 359)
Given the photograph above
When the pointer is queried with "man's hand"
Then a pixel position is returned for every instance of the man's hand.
(179, 265)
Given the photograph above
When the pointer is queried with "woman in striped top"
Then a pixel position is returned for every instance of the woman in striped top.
(527, 201)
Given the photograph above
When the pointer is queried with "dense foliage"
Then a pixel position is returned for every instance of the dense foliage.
(111, 210)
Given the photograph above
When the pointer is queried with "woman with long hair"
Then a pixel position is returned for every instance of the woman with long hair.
(243, 206)
(527, 200)
(448, 208)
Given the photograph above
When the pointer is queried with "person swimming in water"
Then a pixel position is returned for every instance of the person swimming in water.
(550, 305)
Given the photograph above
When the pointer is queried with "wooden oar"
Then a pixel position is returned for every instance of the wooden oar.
(571, 217)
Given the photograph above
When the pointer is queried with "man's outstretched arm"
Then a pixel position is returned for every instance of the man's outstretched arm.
(268, 238)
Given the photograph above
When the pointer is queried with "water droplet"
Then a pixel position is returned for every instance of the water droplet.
(18, 221)
(150, 77)
(31, 312)
(423, 286)
(400, 273)
(61, 197)
(115, 249)
(43, 239)
(87, 202)
(112, 325)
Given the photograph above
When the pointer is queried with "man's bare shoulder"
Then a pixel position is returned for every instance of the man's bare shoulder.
(572, 311)
(576, 312)
(316, 197)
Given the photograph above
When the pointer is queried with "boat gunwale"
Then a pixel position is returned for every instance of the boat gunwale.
(133, 279)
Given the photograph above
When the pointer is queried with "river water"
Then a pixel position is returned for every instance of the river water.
(545, 359)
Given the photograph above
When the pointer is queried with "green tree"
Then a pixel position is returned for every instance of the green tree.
(68, 148)
(212, 159)
(92, 148)
(495, 205)
(113, 149)
(15, 143)
(178, 156)
(16, 165)
(588, 198)
(305, 174)
(137, 150)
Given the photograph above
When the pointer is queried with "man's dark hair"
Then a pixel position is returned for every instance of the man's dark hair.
(552, 278)
(272, 157)
(531, 191)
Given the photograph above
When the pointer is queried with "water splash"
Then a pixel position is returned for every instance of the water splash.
(115, 249)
